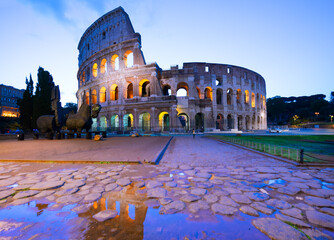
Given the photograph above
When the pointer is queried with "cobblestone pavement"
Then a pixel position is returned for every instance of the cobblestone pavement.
(202, 189)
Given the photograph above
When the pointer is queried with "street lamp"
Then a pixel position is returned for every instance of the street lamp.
(317, 113)
(331, 116)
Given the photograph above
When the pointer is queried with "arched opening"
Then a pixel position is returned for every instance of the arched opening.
(240, 119)
(258, 122)
(247, 97)
(83, 77)
(164, 121)
(198, 92)
(208, 93)
(114, 92)
(264, 102)
(219, 96)
(199, 122)
(94, 97)
(238, 96)
(229, 122)
(184, 119)
(247, 122)
(253, 99)
(144, 88)
(103, 95)
(145, 122)
(257, 99)
(87, 98)
(261, 101)
(94, 124)
(128, 59)
(218, 82)
(103, 123)
(182, 89)
(220, 122)
(103, 68)
(115, 62)
(128, 122)
(94, 70)
(166, 90)
(114, 122)
(229, 96)
(129, 91)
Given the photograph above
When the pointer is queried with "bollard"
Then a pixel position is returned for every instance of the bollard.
(301, 156)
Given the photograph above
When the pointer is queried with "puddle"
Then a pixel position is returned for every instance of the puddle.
(38, 218)
(176, 173)
(273, 181)
(324, 185)
(134, 221)
(13, 185)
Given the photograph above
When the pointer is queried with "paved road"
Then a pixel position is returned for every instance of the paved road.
(207, 152)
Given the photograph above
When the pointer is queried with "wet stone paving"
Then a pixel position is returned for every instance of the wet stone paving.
(166, 201)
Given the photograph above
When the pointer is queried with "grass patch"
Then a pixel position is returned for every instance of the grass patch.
(316, 148)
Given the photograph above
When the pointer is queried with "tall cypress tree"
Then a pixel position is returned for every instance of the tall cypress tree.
(26, 105)
(42, 98)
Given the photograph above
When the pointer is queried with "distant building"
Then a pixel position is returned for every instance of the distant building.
(8, 101)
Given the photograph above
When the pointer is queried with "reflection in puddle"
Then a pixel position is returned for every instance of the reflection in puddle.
(325, 185)
(13, 185)
(134, 221)
(277, 181)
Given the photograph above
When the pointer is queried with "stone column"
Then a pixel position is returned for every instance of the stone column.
(153, 119)
(135, 119)
(235, 120)
(154, 85)
(135, 87)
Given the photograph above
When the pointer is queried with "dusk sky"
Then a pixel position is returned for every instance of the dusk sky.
(289, 42)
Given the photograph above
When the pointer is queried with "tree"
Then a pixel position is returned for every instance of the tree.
(42, 98)
(26, 105)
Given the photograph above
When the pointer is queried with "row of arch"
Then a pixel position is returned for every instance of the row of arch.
(144, 123)
(91, 96)
(103, 68)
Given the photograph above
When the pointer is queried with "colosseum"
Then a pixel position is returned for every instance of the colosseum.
(143, 97)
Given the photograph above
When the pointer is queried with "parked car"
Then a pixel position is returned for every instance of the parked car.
(275, 130)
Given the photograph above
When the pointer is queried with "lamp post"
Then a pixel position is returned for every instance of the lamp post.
(331, 116)
(317, 113)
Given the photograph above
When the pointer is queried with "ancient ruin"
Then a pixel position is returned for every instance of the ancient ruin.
(143, 97)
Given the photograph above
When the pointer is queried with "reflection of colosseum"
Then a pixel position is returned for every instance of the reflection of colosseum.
(140, 96)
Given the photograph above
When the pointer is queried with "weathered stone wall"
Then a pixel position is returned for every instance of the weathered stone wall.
(139, 96)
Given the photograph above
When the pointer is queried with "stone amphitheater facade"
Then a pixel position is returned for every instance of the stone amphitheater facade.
(143, 97)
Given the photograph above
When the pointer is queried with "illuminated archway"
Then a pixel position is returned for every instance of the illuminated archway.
(247, 97)
(145, 122)
(114, 123)
(94, 70)
(184, 119)
(238, 96)
(115, 62)
(129, 91)
(94, 97)
(164, 121)
(208, 93)
(144, 88)
(103, 93)
(128, 59)
(128, 122)
(87, 98)
(103, 68)
(253, 99)
(182, 89)
(198, 92)
(114, 92)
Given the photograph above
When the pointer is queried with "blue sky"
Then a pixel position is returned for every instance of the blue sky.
(290, 43)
